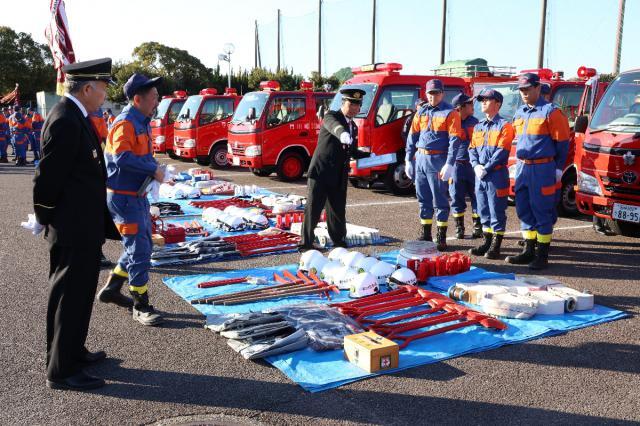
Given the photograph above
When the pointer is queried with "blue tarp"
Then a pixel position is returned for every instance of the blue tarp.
(318, 371)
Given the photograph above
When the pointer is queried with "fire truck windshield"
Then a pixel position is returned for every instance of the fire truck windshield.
(162, 109)
(370, 93)
(619, 109)
(511, 101)
(190, 108)
(255, 100)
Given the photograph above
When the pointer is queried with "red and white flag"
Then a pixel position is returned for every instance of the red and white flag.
(12, 97)
(57, 33)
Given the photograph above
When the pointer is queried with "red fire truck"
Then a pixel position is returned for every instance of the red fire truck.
(275, 130)
(162, 122)
(608, 159)
(564, 93)
(476, 72)
(389, 98)
(201, 127)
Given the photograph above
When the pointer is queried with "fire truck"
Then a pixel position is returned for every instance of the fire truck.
(162, 122)
(566, 94)
(274, 130)
(201, 128)
(608, 159)
(476, 72)
(389, 98)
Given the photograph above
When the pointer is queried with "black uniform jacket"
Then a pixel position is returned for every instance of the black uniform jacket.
(330, 161)
(69, 193)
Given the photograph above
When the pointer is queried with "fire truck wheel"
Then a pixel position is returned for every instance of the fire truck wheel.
(218, 156)
(397, 181)
(202, 160)
(172, 154)
(360, 183)
(290, 166)
(567, 206)
(261, 172)
(626, 229)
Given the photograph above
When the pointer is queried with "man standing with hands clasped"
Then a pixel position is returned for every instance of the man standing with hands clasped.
(329, 170)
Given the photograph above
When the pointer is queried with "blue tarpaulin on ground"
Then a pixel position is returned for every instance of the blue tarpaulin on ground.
(318, 371)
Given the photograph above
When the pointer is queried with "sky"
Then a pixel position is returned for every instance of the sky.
(504, 32)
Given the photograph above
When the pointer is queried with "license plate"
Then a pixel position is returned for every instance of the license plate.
(177, 152)
(626, 212)
(236, 161)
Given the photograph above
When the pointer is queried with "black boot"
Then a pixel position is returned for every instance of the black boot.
(110, 293)
(526, 256)
(494, 249)
(143, 312)
(441, 238)
(426, 232)
(484, 247)
(459, 227)
(541, 261)
(477, 228)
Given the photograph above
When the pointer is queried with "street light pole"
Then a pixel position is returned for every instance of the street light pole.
(228, 49)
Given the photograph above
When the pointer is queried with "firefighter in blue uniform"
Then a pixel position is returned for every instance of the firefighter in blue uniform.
(432, 146)
(36, 130)
(20, 130)
(489, 153)
(130, 161)
(4, 138)
(542, 140)
(463, 181)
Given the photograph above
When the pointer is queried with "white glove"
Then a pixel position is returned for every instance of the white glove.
(408, 169)
(345, 138)
(480, 171)
(32, 224)
(558, 175)
(446, 172)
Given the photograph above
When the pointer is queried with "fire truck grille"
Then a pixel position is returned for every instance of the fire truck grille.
(623, 190)
(238, 151)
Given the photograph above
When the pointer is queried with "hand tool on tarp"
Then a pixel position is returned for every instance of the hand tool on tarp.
(219, 283)
(251, 244)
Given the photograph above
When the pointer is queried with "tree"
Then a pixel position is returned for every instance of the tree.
(26, 62)
(343, 74)
(319, 81)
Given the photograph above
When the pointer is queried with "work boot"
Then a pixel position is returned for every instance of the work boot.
(494, 249)
(484, 247)
(477, 228)
(459, 227)
(526, 256)
(110, 293)
(143, 312)
(441, 238)
(541, 261)
(426, 232)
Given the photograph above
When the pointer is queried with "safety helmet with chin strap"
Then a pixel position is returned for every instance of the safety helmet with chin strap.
(402, 276)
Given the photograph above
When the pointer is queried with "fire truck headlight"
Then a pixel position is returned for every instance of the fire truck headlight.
(253, 151)
(159, 140)
(588, 184)
(189, 143)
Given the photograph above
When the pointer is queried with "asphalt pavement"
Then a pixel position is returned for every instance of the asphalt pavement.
(181, 373)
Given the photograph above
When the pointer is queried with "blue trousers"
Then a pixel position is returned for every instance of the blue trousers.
(3, 148)
(536, 197)
(462, 184)
(132, 218)
(20, 145)
(492, 192)
(35, 145)
(432, 192)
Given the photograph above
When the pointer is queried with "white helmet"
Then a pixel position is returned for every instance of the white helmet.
(381, 271)
(231, 209)
(402, 276)
(337, 253)
(258, 220)
(232, 223)
(352, 258)
(211, 214)
(307, 257)
(362, 285)
(365, 264)
(328, 271)
(342, 277)
(283, 207)
(316, 264)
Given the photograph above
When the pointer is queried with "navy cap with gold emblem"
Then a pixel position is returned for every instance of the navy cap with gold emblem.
(94, 70)
(353, 95)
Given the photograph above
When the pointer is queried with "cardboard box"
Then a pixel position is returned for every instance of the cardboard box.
(371, 352)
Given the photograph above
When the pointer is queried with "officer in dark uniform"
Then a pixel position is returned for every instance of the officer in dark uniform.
(70, 200)
(329, 170)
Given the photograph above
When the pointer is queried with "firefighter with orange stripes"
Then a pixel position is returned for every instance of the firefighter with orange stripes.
(4, 138)
(489, 154)
(36, 132)
(431, 150)
(130, 161)
(542, 137)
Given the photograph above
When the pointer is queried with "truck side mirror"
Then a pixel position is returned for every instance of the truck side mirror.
(581, 124)
(251, 115)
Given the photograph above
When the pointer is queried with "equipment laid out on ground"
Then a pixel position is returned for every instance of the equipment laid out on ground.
(234, 218)
(168, 209)
(444, 264)
(170, 233)
(268, 241)
(356, 235)
(371, 352)
(178, 191)
(416, 250)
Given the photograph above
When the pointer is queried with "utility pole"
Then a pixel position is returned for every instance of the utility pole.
(278, 67)
(618, 51)
(444, 30)
(543, 28)
(320, 38)
(373, 34)
(255, 45)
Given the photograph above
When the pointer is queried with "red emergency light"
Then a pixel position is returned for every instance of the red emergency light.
(270, 85)
(586, 73)
(209, 91)
(306, 86)
(230, 91)
(543, 73)
(167, 97)
(180, 94)
(390, 67)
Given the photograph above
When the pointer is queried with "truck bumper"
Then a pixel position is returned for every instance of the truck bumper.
(186, 152)
(595, 205)
(369, 174)
(159, 147)
(242, 161)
